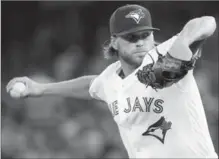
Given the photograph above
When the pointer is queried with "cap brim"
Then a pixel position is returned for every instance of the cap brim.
(142, 28)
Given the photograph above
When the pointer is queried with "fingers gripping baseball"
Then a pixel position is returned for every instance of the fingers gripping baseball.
(21, 87)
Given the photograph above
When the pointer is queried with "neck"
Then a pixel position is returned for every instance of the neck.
(126, 68)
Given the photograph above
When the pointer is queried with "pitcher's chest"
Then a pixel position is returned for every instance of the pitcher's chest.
(137, 104)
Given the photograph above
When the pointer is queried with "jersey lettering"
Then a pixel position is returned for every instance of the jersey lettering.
(137, 105)
(148, 103)
(159, 108)
(114, 108)
(129, 106)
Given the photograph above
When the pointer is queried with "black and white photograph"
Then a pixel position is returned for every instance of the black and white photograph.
(109, 79)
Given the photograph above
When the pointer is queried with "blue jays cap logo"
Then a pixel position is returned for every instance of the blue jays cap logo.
(137, 15)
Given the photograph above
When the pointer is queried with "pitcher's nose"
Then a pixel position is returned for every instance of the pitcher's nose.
(140, 43)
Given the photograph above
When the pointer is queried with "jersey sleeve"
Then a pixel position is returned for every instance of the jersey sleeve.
(164, 47)
(186, 83)
(161, 48)
(98, 85)
(96, 89)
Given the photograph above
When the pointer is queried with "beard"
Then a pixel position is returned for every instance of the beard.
(132, 60)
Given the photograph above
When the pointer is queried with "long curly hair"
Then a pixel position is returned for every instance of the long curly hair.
(108, 50)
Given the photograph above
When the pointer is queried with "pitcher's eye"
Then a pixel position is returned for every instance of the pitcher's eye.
(145, 35)
(131, 38)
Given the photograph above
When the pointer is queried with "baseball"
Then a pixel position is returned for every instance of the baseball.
(17, 89)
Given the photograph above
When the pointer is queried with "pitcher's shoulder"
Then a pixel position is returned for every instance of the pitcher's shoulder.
(111, 69)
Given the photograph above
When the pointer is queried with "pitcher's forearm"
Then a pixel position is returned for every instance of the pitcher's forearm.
(195, 30)
(75, 88)
(198, 29)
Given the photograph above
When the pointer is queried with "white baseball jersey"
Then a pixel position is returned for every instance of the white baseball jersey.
(167, 123)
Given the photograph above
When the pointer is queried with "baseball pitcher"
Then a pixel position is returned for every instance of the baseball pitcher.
(151, 90)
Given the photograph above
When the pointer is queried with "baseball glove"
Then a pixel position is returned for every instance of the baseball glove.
(168, 70)
(165, 72)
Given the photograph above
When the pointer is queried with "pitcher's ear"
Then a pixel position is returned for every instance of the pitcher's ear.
(114, 43)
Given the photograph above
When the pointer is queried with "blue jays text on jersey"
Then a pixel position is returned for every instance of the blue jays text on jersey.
(150, 104)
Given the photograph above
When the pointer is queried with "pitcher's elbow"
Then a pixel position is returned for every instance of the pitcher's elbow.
(210, 24)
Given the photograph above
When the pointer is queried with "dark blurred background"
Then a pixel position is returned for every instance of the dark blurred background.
(54, 41)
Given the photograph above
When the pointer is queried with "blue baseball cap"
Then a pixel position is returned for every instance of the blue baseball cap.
(130, 18)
